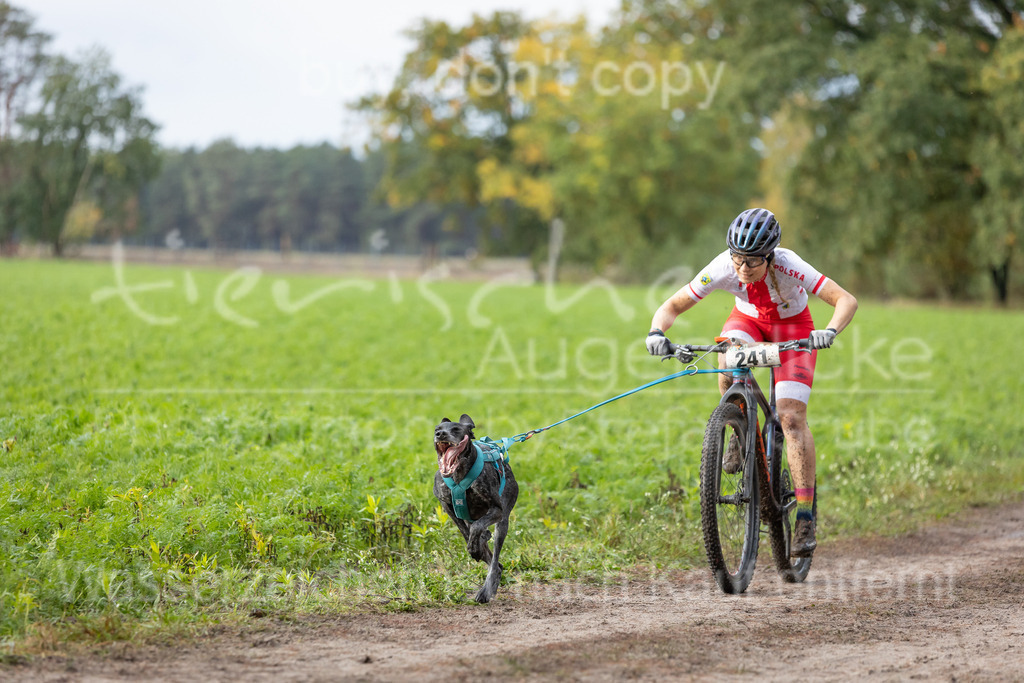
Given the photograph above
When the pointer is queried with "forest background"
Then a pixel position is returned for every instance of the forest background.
(886, 134)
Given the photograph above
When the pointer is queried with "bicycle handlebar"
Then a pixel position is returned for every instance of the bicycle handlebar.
(723, 346)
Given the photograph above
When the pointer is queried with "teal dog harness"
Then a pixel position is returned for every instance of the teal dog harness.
(487, 451)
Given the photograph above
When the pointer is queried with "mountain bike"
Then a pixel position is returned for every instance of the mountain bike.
(733, 506)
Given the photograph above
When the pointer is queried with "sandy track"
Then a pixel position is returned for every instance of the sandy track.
(943, 604)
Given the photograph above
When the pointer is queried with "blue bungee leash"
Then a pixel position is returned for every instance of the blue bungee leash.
(690, 370)
(496, 450)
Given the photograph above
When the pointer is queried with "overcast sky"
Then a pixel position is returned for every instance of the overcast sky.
(263, 72)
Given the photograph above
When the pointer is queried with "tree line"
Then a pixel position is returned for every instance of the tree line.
(318, 198)
(885, 134)
(79, 161)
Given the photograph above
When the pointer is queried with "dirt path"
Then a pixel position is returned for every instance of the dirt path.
(943, 604)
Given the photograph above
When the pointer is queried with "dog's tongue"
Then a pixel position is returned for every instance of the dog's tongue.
(450, 459)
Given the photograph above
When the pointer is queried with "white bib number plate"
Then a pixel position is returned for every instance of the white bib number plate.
(755, 356)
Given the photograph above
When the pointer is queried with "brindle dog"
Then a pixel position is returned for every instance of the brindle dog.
(456, 454)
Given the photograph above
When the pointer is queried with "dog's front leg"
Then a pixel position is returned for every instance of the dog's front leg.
(490, 587)
(479, 535)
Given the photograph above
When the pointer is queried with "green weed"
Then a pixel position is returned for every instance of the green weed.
(204, 450)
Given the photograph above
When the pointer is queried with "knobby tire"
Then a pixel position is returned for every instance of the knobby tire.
(780, 526)
(730, 529)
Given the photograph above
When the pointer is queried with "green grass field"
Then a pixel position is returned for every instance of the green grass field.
(204, 443)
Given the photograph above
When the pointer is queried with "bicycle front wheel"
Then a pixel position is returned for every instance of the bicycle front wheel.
(729, 502)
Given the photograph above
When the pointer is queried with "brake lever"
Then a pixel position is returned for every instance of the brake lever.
(795, 346)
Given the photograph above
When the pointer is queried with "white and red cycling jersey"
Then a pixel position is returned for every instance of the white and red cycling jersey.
(763, 313)
(760, 299)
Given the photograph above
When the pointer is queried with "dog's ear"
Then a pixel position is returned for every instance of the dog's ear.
(467, 420)
(445, 419)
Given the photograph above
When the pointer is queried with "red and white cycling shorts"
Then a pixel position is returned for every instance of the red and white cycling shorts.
(795, 377)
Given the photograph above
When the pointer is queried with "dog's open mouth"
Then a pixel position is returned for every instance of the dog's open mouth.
(448, 455)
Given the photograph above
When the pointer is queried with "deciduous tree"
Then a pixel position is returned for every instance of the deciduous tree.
(22, 54)
(998, 151)
(86, 138)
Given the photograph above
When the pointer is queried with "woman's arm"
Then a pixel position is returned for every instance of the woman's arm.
(844, 303)
(667, 313)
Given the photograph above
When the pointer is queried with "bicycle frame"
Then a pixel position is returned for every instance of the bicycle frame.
(746, 388)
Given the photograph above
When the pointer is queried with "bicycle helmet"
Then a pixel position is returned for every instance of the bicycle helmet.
(755, 232)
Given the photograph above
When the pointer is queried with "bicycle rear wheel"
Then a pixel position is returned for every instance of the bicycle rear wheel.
(780, 529)
(728, 503)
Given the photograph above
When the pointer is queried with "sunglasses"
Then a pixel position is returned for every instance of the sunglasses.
(748, 261)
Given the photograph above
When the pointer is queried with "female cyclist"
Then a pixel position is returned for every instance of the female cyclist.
(770, 285)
